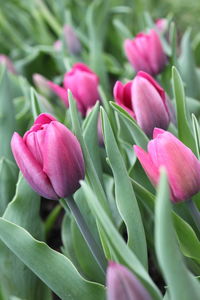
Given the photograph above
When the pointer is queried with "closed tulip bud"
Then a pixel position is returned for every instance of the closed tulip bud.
(123, 285)
(182, 166)
(161, 25)
(50, 158)
(146, 101)
(73, 43)
(57, 45)
(83, 83)
(145, 53)
(42, 84)
(5, 60)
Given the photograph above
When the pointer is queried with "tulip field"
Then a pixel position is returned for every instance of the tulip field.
(100, 150)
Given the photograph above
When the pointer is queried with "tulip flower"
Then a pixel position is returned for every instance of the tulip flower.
(5, 60)
(145, 53)
(50, 158)
(146, 101)
(182, 166)
(123, 285)
(83, 83)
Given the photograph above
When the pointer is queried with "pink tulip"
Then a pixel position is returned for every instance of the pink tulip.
(182, 166)
(5, 60)
(145, 53)
(83, 83)
(161, 25)
(123, 285)
(50, 158)
(146, 101)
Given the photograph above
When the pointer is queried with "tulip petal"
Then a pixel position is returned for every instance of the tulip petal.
(122, 95)
(183, 168)
(148, 106)
(123, 285)
(44, 119)
(31, 169)
(147, 163)
(60, 92)
(63, 160)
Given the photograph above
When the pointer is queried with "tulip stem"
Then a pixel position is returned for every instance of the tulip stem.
(92, 244)
(194, 211)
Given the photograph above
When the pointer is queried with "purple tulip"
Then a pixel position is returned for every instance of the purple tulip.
(182, 166)
(50, 158)
(73, 43)
(5, 60)
(145, 53)
(146, 101)
(123, 285)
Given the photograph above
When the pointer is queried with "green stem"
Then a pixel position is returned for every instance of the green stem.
(92, 244)
(49, 17)
(195, 213)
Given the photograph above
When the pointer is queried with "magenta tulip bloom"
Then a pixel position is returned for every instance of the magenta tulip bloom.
(50, 158)
(123, 285)
(182, 166)
(145, 53)
(83, 83)
(146, 101)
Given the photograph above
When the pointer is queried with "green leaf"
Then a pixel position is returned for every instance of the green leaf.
(57, 272)
(91, 175)
(90, 170)
(122, 29)
(187, 66)
(84, 257)
(96, 21)
(126, 201)
(181, 283)
(184, 132)
(196, 130)
(136, 132)
(188, 241)
(24, 211)
(8, 92)
(173, 42)
(35, 106)
(8, 179)
(90, 135)
(119, 249)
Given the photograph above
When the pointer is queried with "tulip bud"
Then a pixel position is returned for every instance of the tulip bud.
(146, 101)
(73, 43)
(123, 285)
(83, 83)
(57, 45)
(50, 158)
(161, 25)
(5, 60)
(182, 166)
(145, 53)
(42, 84)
